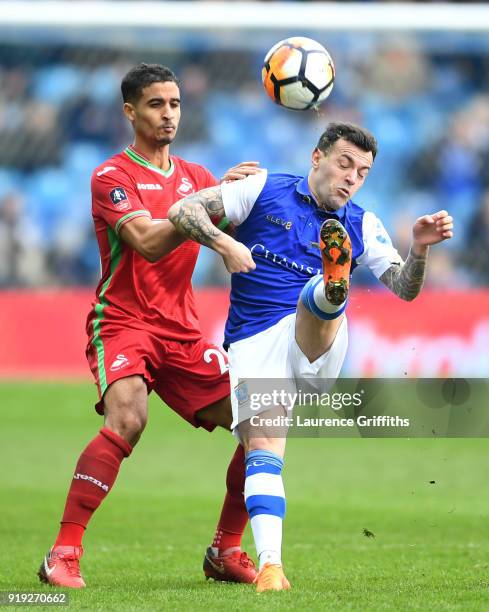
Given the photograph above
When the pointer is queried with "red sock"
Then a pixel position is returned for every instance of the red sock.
(234, 515)
(95, 473)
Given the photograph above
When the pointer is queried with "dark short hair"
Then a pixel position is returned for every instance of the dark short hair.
(142, 76)
(358, 136)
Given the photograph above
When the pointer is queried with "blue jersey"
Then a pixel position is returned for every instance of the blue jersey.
(278, 219)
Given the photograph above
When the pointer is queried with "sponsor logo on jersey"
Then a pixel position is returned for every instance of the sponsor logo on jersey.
(278, 221)
(119, 199)
(105, 170)
(259, 250)
(121, 361)
(149, 187)
(91, 479)
(186, 187)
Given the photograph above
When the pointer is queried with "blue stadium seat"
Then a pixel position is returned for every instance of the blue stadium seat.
(55, 84)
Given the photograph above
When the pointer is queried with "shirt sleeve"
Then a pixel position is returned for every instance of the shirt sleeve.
(379, 254)
(114, 198)
(238, 197)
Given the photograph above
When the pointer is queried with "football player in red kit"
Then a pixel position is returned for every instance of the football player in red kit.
(143, 329)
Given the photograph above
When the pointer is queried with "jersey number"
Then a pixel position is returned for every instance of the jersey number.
(223, 366)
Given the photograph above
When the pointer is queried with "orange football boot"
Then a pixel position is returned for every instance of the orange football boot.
(335, 245)
(233, 567)
(271, 577)
(61, 567)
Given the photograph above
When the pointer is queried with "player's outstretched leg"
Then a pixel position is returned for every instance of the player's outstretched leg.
(95, 473)
(224, 560)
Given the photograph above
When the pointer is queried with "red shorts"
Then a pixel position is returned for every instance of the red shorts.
(188, 376)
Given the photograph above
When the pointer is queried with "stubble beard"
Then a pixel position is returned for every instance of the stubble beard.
(166, 140)
(330, 205)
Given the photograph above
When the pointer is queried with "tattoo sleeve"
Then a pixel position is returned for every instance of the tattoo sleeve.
(197, 215)
(406, 279)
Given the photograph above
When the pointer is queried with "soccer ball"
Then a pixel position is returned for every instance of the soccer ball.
(298, 73)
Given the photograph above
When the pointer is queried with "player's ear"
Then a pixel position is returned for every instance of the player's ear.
(129, 111)
(316, 154)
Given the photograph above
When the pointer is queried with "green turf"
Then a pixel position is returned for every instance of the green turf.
(145, 546)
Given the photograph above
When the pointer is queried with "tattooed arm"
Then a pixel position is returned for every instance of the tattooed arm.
(406, 280)
(199, 216)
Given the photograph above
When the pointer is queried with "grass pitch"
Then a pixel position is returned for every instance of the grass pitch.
(371, 524)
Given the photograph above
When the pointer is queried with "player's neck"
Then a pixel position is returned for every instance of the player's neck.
(314, 193)
(317, 201)
(159, 156)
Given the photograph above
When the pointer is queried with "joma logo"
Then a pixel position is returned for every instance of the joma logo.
(91, 479)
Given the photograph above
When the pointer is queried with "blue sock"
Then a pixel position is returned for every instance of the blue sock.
(265, 502)
(313, 298)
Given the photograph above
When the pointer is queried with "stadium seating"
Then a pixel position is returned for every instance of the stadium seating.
(60, 116)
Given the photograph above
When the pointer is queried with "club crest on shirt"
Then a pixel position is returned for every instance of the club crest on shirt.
(186, 187)
(119, 199)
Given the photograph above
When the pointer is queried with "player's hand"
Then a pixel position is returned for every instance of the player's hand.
(241, 171)
(236, 256)
(432, 229)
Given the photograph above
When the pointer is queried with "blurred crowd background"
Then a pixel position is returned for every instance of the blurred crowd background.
(424, 96)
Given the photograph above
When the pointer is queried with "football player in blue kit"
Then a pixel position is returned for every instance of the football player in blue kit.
(297, 239)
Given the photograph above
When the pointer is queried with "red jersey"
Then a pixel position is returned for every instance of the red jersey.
(133, 292)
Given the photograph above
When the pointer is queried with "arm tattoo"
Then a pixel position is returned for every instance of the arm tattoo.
(406, 280)
(197, 214)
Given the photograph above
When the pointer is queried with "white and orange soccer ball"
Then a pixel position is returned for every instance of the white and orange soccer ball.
(298, 73)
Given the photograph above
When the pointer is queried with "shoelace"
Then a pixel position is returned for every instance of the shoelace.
(245, 561)
(72, 565)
